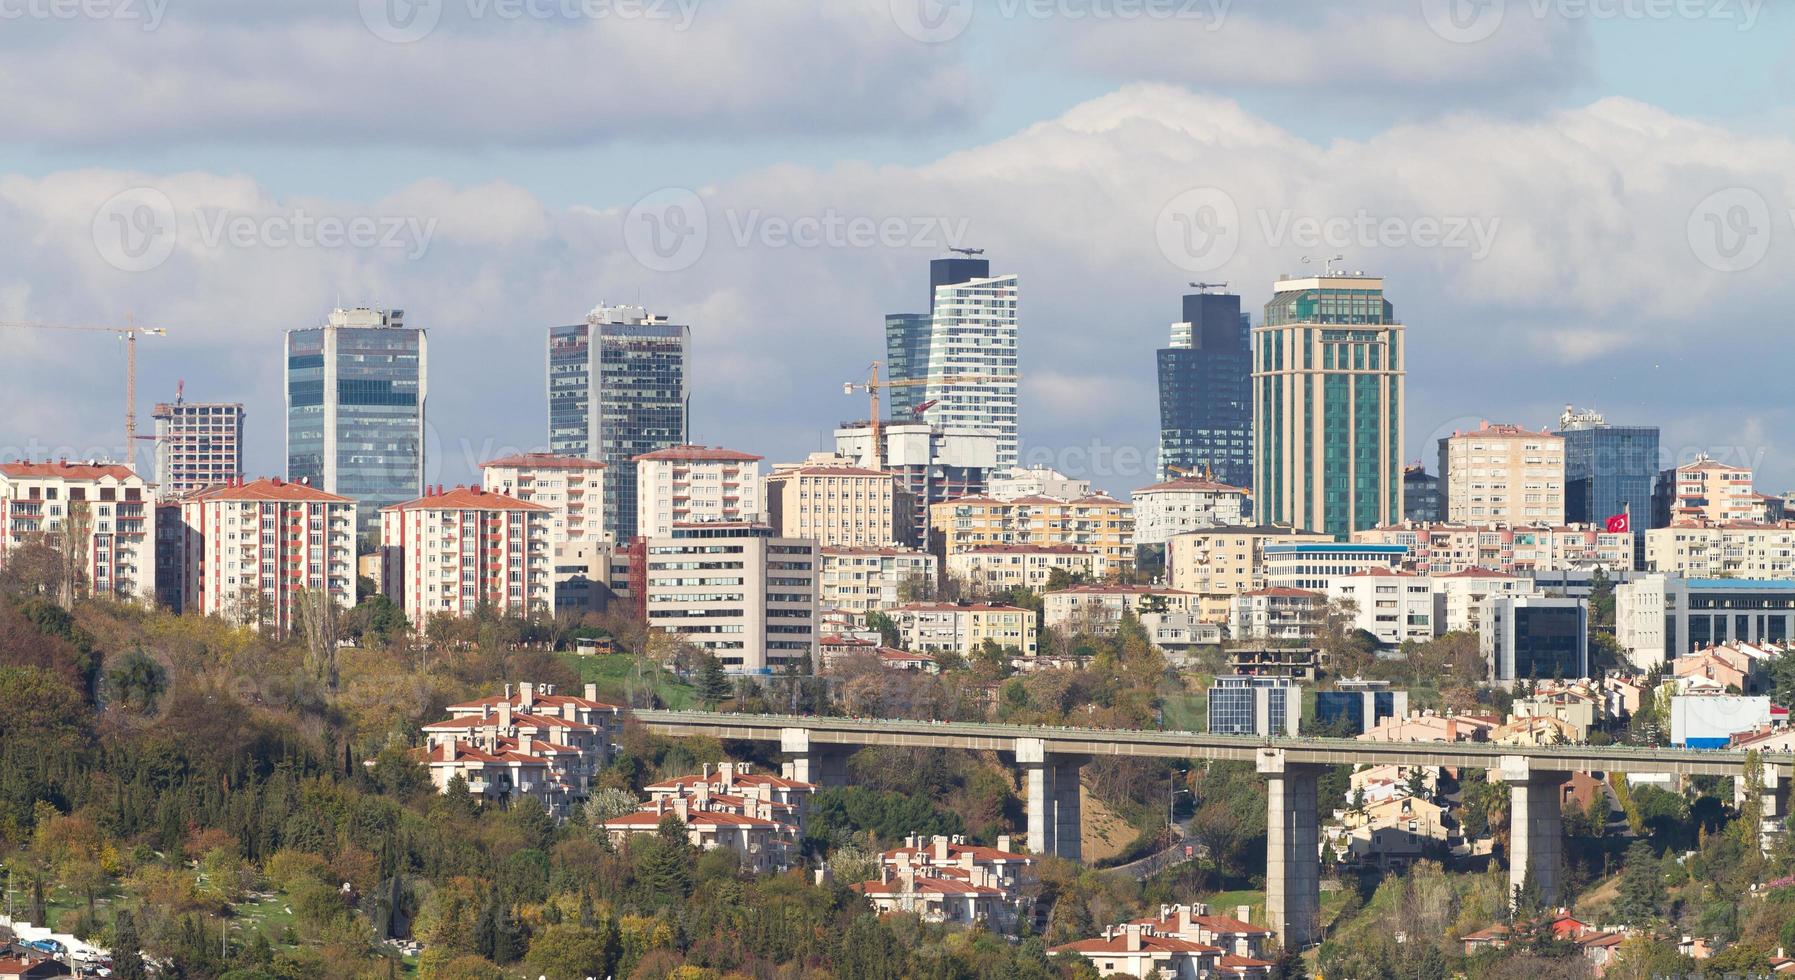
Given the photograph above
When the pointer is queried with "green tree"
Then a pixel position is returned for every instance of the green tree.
(1641, 891)
(570, 951)
(712, 686)
(127, 949)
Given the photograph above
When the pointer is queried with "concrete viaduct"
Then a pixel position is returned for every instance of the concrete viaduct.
(1050, 760)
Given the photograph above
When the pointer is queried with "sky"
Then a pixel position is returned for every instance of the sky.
(1571, 201)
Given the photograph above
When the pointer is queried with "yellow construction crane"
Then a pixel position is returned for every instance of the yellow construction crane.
(872, 386)
(130, 332)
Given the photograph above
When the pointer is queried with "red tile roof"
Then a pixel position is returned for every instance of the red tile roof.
(1117, 944)
(827, 470)
(708, 454)
(269, 488)
(1018, 549)
(468, 498)
(66, 470)
(1285, 592)
(544, 461)
(1193, 485)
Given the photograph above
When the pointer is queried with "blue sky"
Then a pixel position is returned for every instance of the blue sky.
(1589, 145)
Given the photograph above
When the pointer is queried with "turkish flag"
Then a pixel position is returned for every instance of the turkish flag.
(1620, 524)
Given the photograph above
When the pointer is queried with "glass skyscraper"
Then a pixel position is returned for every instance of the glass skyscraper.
(1206, 391)
(617, 388)
(1607, 468)
(355, 392)
(969, 331)
(1327, 406)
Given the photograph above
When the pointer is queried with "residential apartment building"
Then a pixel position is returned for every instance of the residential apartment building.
(1707, 491)
(454, 552)
(839, 504)
(965, 348)
(695, 485)
(1503, 474)
(251, 546)
(1608, 469)
(1277, 613)
(1391, 605)
(1328, 369)
(572, 488)
(1462, 594)
(1440, 549)
(737, 591)
(1100, 524)
(1226, 561)
(1206, 392)
(618, 388)
(1661, 617)
(963, 627)
(198, 444)
(931, 463)
(1186, 504)
(861, 580)
(993, 568)
(1099, 609)
(355, 393)
(1245, 705)
(531, 743)
(1421, 495)
(102, 510)
(1035, 481)
(1700, 548)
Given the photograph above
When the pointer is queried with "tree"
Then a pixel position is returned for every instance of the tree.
(570, 951)
(888, 629)
(138, 679)
(712, 686)
(127, 949)
(322, 628)
(1642, 893)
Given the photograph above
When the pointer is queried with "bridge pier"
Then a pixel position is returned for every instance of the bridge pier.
(1535, 826)
(1292, 849)
(1050, 788)
(824, 765)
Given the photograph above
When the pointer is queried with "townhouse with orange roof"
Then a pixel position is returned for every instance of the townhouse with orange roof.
(531, 742)
(763, 843)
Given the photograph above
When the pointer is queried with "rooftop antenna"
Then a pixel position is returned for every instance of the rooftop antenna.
(968, 252)
(1327, 263)
(1204, 287)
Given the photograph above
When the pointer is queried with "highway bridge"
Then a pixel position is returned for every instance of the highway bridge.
(1050, 759)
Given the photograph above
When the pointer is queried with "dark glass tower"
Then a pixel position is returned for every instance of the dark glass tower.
(1206, 391)
(1607, 469)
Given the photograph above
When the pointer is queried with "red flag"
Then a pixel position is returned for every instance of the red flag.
(1620, 524)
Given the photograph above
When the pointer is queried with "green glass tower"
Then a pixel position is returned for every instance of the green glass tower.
(1328, 402)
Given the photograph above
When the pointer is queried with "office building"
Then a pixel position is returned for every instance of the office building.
(1100, 524)
(455, 552)
(861, 580)
(572, 488)
(356, 391)
(1534, 637)
(932, 464)
(1608, 469)
(251, 547)
(970, 332)
(1661, 617)
(1707, 491)
(1503, 474)
(1420, 495)
(101, 509)
(964, 627)
(737, 591)
(1246, 705)
(1298, 565)
(839, 504)
(618, 388)
(1206, 392)
(1328, 406)
(694, 485)
(1357, 706)
(198, 444)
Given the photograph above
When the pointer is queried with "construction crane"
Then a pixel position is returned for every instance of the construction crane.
(130, 331)
(872, 386)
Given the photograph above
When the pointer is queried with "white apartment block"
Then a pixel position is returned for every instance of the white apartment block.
(963, 627)
(1226, 561)
(737, 591)
(1175, 506)
(1442, 548)
(450, 552)
(105, 506)
(250, 548)
(973, 334)
(1702, 549)
(994, 568)
(1036, 481)
(1462, 593)
(839, 504)
(1391, 605)
(1277, 614)
(1502, 474)
(693, 485)
(861, 580)
(1100, 608)
(573, 489)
